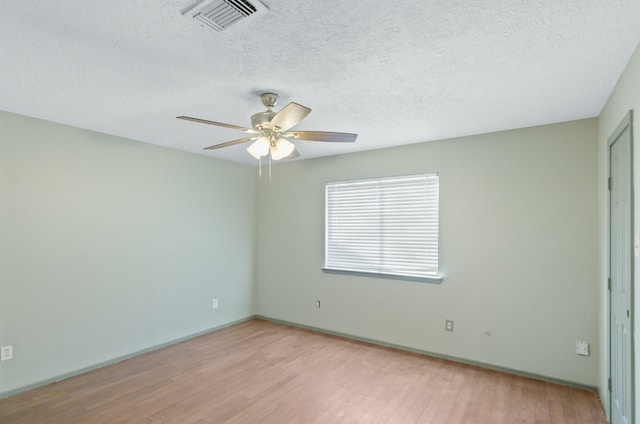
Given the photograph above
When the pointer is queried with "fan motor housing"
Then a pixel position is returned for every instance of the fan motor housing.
(261, 120)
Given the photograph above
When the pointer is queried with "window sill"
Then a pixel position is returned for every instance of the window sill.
(431, 280)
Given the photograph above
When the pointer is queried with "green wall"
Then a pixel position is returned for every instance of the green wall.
(110, 246)
(518, 243)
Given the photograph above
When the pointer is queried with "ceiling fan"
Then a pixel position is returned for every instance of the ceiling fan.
(271, 130)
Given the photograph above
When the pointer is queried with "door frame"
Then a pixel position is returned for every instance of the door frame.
(627, 121)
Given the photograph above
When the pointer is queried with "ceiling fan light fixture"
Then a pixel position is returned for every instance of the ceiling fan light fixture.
(259, 148)
(284, 147)
(275, 153)
(252, 153)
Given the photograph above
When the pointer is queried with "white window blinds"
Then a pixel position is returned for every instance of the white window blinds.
(383, 226)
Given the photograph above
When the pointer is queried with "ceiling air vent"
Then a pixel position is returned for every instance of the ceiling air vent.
(221, 14)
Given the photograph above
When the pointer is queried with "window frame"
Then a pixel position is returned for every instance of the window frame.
(437, 279)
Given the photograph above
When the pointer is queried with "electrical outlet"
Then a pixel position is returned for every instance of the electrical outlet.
(214, 304)
(582, 348)
(486, 333)
(448, 325)
(6, 353)
(317, 303)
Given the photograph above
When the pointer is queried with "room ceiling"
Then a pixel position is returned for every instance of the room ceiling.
(395, 72)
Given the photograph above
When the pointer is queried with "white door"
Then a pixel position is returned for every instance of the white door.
(621, 273)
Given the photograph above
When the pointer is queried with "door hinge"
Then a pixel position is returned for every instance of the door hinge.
(609, 184)
(609, 283)
(609, 384)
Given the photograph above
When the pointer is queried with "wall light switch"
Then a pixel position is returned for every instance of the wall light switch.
(582, 348)
(214, 304)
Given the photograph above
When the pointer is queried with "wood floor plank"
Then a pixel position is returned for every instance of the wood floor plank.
(263, 372)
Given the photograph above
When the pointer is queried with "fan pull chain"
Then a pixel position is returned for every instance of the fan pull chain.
(269, 167)
(260, 167)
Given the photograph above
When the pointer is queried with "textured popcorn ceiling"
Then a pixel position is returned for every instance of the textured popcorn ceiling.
(395, 72)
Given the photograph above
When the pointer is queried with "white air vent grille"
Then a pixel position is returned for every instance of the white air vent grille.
(221, 14)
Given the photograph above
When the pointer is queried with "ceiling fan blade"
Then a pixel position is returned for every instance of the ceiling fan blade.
(289, 116)
(322, 136)
(231, 143)
(219, 124)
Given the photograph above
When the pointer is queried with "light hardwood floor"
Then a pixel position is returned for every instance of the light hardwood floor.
(264, 372)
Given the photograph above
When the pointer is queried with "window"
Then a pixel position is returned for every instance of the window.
(384, 227)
